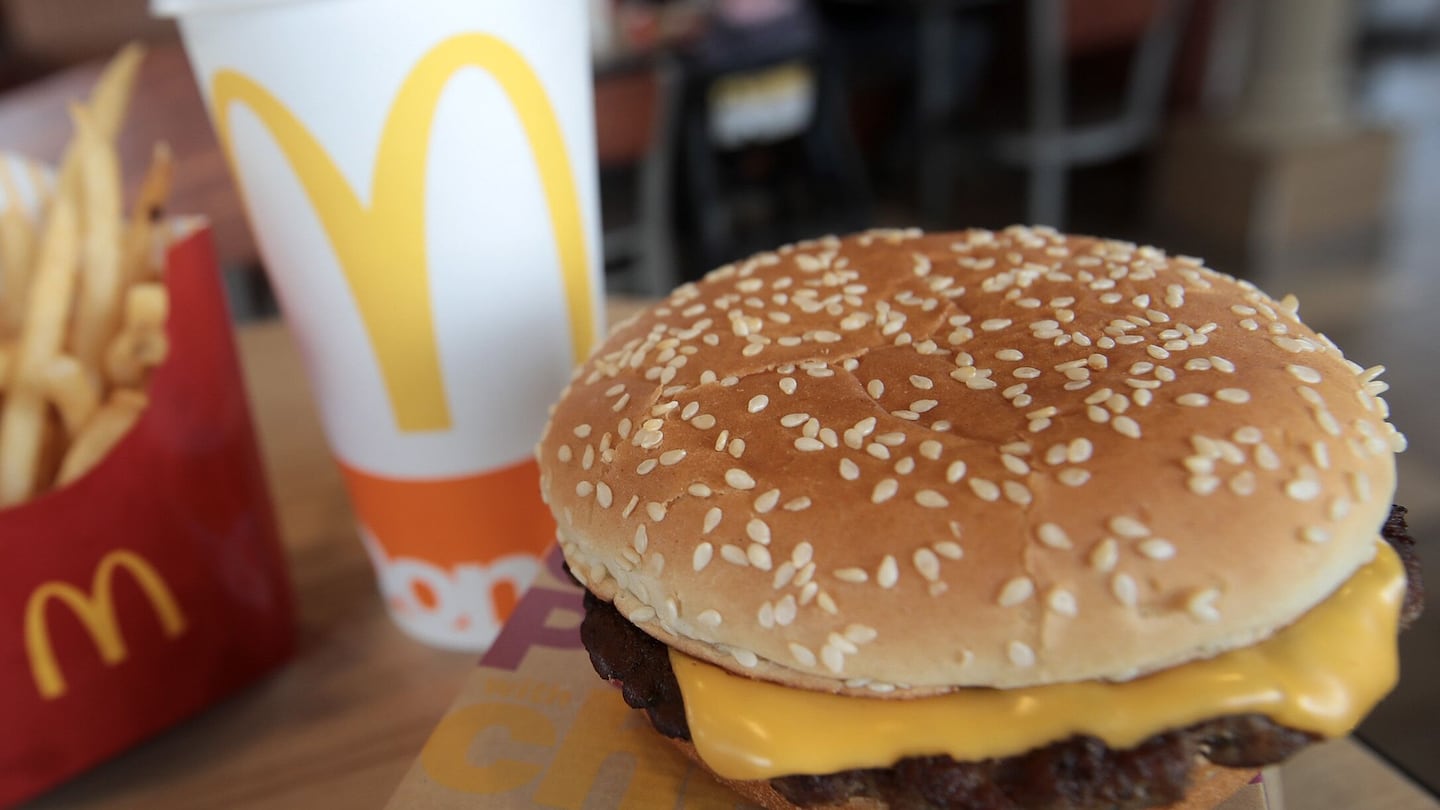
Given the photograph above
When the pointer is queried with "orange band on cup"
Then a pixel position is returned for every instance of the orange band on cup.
(449, 521)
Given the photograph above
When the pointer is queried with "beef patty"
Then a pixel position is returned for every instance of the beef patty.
(1073, 774)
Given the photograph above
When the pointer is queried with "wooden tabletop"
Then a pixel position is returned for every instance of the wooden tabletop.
(35, 121)
(340, 725)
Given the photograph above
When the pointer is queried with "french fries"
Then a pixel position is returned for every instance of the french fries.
(82, 314)
(101, 433)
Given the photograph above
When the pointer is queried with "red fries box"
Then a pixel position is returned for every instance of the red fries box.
(155, 585)
(534, 727)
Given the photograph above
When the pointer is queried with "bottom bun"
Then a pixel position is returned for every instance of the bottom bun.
(1210, 785)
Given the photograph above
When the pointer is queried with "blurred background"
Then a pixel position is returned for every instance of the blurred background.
(1292, 142)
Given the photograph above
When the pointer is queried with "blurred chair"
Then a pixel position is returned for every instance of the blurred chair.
(768, 85)
(1055, 139)
(636, 110)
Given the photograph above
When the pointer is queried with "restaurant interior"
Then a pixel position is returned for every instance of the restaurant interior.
(1294, 143)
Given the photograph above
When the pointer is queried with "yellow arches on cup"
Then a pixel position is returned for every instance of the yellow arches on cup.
(382, 249)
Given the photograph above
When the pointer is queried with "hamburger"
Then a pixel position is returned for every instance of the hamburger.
(982, 520)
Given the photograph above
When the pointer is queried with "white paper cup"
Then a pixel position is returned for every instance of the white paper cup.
(420, 176)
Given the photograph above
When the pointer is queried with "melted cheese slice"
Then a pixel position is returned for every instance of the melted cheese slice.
(1321, 674)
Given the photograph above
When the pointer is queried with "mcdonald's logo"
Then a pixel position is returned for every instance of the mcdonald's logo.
(382, 248)
(96, 611)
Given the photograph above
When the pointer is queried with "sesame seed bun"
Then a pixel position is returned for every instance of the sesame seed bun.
(895, 464)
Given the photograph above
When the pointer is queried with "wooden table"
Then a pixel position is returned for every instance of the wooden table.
(35, 121)
(339, 727)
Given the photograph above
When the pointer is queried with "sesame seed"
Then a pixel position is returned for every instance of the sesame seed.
(785, 611)
(1015, 464)
(855, 575)
(875, 389)
(703, 554)
(833, 658)
(930, 449)
(712, 519)
(878, 450)
(927, 564)
(923, 383)
(1221, 364)
(739, 479)
(1129, 527)
(734, 555)
(1315, 534)
(630, 507)
(758, 403)
(806, 444)
(1157, 549)
(923, 405)
(1193, 400)
(1021, 655)
(1124, 589)
(984, 489)
(1016, 591)
(802, 654)
(743, 657)
(888, 573)
(710, 618)
(1079, 451)
(1105, 555)
(584, 488)
(582, 431)
(884, 490)
(1244, 483)
(1303, 489)
(995, 324)
(656, 511)
(1063, 602)
(1026, 372)
(1016, 492)
(949, 549)
(1126, 426)
(758, 531)
(1203, 484)
(704, 421)
(603, 495)
(1053, 536)
(1360, 483)
(1010, 355)
(1201, 605)
(1238, 396)
(1073, 476)
(794, 420)
(1097, 414)
(931, 499)
(640, 615)
(671, 457)
(955, 471)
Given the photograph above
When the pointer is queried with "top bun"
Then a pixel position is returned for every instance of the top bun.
(899, 463)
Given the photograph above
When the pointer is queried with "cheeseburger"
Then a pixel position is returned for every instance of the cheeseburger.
(982, 520)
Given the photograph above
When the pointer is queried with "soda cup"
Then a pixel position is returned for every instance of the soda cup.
(420, 177)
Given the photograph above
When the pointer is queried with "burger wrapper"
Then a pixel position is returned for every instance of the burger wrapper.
(534, 727)
(155, 585)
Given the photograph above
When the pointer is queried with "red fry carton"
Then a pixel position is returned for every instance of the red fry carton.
(534, 727)
(155, 585)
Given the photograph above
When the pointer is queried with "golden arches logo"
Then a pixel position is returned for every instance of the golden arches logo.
(96, 611)
(382, 248)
